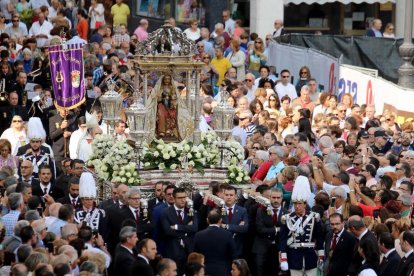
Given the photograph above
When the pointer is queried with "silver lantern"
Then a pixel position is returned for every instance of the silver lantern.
(223, 117)
(111, 106)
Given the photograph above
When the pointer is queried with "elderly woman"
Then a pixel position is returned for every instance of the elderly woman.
(261, 160)
(16, 134)
(237, 58)
(6, 158)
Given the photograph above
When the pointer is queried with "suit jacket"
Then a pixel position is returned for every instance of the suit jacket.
(265, 230)
(66, 200)
(357, 259)
(404, 264)
(113, 221)
(218, 254)
(54, 191)
(106, 204)
(56, 133)
(237, 230)
(144, 226)
(152, 203)
(389, 265)
(140, 267)
(122, 261)
(338, 260)
(175, 239)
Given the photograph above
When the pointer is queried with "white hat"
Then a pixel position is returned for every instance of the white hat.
(35, 130)
(301, 189)
(87, 186)
(91, 120)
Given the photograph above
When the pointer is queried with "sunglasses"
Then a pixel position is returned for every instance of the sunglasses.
(285, 77)
(242, 118)
(342, 111)
(15, 20)
(248, 80)
(272, 100)
(259, 42)
(303, 72)
(17, 121)
(206, 57)
(289, 143)
(256, 148)
(357, 164)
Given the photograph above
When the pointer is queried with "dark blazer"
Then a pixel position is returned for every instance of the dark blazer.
(357, 259)
(140, 267)
(338, 260)
(389, 265)
(54, 191)
(56, 133)
(265, 230)
(66, 200)
(122, 261)
(185, 232)
(237, 230)
(152, 203)
(218, 254)
(144, 226)
(404, 264)
(106, 204)
(371, 33)
(114, 221)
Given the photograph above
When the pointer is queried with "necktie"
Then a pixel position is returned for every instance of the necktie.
(44, 191)
(73, 202)
(335, 237)
(230, 215)
(404, 259)
(274, 218)
(137, 215)
(180, 218)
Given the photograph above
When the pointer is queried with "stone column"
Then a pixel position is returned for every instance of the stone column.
(262, 15)
(399, 18)
(406, 70)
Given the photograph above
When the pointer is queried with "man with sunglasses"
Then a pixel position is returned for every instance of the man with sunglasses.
(16, 28)
(285, 87)
(251, 88)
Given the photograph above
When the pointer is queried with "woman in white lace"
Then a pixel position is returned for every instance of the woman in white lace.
(16, 134)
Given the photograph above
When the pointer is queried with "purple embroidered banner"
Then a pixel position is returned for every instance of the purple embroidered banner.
(67, 74)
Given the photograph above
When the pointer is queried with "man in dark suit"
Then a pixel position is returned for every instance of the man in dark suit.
(46, 186)
(137, 214)
(147, 251)
(124, 254)
(72, 198)
(339, 245)
(407, 246)
(357, 227)
(236, 220)
(389, 264)
(158, 193)
(179, 228)
(63, 179)
(265, 246)
(220, 253)
(114, 218)
(26, 173)
(61, 127)
(113, 200)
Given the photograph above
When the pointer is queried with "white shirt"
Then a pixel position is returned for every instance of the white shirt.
(389, 252)
(22, 26)
(47, 187)
(76, 40)
(84, 149)
(145, 258)
(192, 35)
(37, 29)
(129, 250)
(288, 89)
(362, 234)
(408, 253)
(238, 131)
(329, 187)
(74, 143)
(230, 26)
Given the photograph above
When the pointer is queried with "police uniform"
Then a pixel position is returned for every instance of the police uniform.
(94, 219)
(301, 236)
(40, 159)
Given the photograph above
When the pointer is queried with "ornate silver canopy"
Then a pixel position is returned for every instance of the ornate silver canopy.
(166, 40)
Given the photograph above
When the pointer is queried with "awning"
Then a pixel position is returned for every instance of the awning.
(345, 2)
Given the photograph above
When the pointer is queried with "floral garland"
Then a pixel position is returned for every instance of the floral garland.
(117, 163)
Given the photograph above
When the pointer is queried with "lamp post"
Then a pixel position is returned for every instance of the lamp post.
(111, 105)
(406, 70)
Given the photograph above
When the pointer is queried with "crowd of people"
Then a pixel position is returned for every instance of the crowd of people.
(332, 179)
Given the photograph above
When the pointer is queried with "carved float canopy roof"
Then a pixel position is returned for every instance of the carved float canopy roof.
(166, 40)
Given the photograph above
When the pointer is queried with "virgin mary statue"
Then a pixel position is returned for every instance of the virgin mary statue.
(168, 116)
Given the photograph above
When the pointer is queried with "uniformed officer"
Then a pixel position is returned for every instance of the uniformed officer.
(89, 214)
(301, 235)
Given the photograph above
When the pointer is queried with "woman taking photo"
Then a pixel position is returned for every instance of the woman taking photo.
(237, 59)
(257, 57)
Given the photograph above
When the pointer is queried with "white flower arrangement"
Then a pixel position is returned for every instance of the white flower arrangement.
(113, 161)
(237, 175)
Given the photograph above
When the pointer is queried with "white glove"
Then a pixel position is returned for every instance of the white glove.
(284, 266)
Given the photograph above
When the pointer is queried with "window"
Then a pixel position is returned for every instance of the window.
(154, 8)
